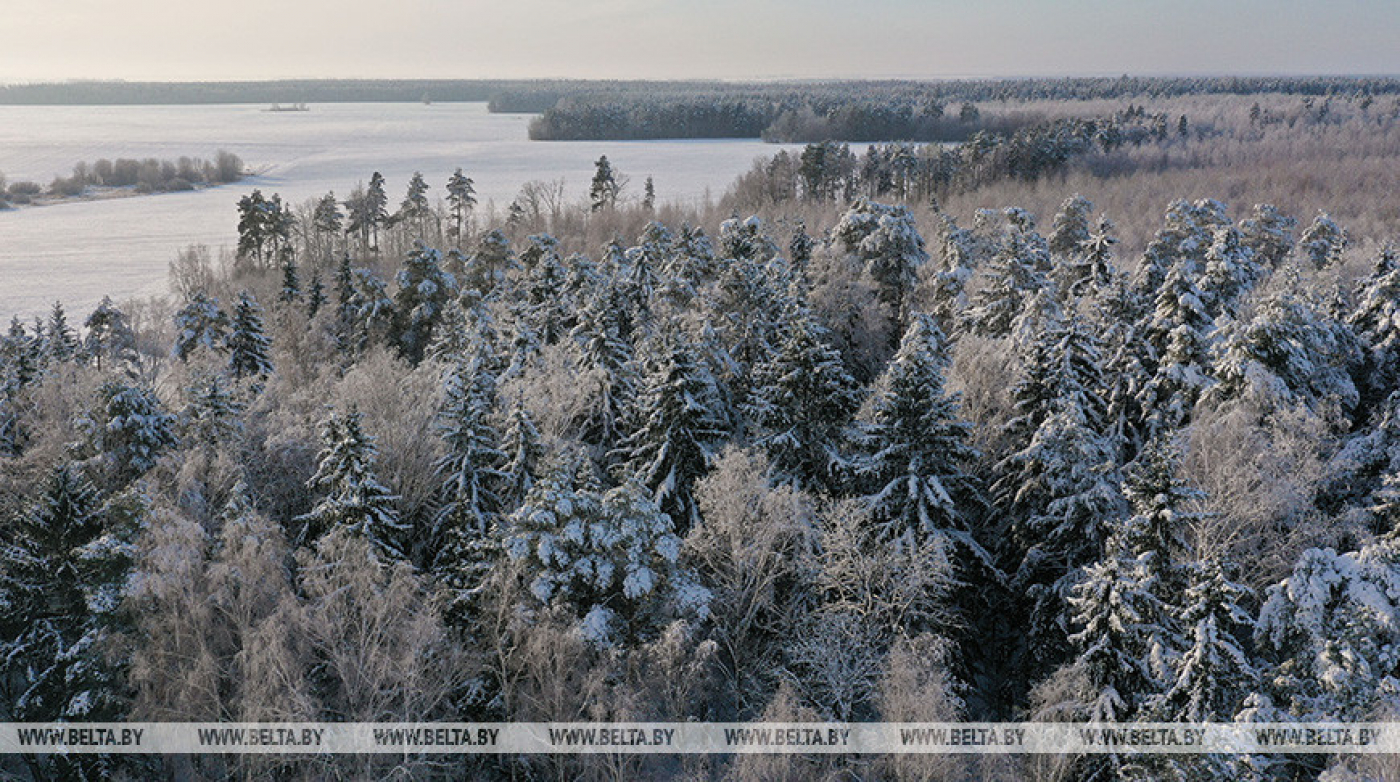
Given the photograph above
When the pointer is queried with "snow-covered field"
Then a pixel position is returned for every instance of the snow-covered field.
(80, 251)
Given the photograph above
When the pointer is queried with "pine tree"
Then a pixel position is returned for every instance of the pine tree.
(415, 208)
(425, 291)
(648, 195)
(490, 262)
(679, 430)
(109, 335)
(802, 397)
(355, 500)
(315, 296)
(248, 344)
(64, 568)
(461, 199)
(914, 453)
(200, 323)
(327, 223)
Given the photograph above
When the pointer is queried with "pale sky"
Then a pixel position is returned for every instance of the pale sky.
(179, 40)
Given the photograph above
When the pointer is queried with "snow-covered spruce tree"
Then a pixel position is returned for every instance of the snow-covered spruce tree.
(523, 451)
(200, 323)
(211, 414)
(1014, 276)
(1091, 268)
(129, 430)
(914, 456)
(801, 399)
(290, 292)
(1180, 331)
(679, 427)
(425, 290)
(612, 559)
(354, 500)
(1060, 486)
(1376, 322)
(109, 336)
(541, 305)
(1215, 672)
(1112, 612)
(888, 244)
(1322, 242)
(1290, 353)
(470, 470)
(1230, 272)
(1188, 234)
(1269, 234)
(606, 362)
(944, 284)
(369, 312)
(1154, 536)
(64, 565)
(248, 345)
(1330, 632)
(1070, 229)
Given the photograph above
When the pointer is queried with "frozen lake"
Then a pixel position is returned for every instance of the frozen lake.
(78, 252)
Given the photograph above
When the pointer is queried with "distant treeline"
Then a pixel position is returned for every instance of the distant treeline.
(856, 111)
(537, 96)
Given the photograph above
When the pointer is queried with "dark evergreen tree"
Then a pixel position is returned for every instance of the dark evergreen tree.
(200, 323)
(60, 343)
(425, 290)
(65, 564)
(461, 199)
(523, 451)
(129, 431)
(248, 344)
(802, 398)
(1322, 242)
(1268, 233)
(914, 458)
(291, 281)
(604, 189)
(679, 428)
(354, 500)
(415, 210)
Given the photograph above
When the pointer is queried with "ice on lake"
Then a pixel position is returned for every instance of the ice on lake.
(78, 252)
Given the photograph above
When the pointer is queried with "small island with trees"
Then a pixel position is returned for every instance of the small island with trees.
(125, 177)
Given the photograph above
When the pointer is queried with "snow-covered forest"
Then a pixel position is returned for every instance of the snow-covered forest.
(846, 452)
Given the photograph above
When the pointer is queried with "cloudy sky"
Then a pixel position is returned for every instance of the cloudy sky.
(733, 39)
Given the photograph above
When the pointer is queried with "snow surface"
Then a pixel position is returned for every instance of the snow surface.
(79, 251)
